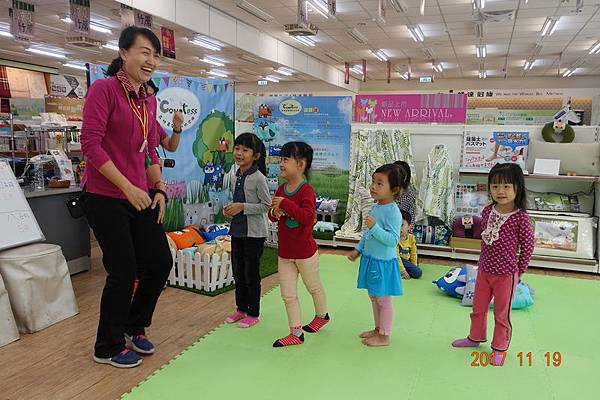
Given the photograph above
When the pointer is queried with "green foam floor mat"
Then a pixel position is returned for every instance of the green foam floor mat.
(236, 363)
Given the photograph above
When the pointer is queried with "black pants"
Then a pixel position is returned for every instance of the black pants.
(245, 258)
(133, 244)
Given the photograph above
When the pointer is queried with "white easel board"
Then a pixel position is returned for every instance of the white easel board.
(17, 222)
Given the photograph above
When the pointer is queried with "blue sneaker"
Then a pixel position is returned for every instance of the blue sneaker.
(125, 359)
(139, 344)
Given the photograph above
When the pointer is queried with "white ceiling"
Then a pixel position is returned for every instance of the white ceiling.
(447, 25)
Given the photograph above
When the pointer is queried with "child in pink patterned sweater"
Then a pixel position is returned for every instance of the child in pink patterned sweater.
(506, 228)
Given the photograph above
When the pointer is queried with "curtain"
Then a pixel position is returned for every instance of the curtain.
(371, 148)
(436, 197)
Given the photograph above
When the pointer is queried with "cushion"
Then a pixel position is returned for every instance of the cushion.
(461, 231)
(187, 237)
(581, 158)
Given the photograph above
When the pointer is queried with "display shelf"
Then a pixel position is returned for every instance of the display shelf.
(577, 178)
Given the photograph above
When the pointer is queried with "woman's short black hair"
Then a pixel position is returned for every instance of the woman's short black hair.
(512, 174)
(126, 40)
(298, 151)
(251, 141)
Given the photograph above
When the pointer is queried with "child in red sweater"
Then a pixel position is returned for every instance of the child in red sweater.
(293, 208)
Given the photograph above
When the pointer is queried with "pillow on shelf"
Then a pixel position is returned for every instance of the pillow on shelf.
(581, 158)
(548, 201)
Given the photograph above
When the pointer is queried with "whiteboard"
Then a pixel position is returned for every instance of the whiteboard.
(18, 225)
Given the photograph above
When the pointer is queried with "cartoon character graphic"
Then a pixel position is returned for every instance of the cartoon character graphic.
(202, 214)
(275, 150)
(209, 171)
(366, 110)
(272, 183)
(176, 189)
(217, 177)
(264, 111)
(223, 145)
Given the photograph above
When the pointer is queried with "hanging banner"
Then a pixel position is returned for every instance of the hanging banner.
(494, 116)
(22, 20)
(68, 86)
(168, 42)
(80, 16)
(331, 6)
(364, 69)
(422, 108)
(198, 185)
(131, 16)
(324, 123)
(302, 13)
(346, 73)
(127, 17)
(389, 71)
(483, 148)
(381, 11)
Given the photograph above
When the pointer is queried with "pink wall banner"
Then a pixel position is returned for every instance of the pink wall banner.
(426, 108)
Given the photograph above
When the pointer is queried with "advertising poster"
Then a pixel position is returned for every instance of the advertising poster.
(484, 148)
(440, 108)
(494, 116)
(68, 86)
(196, 184)
(324, 123)
(168, 42)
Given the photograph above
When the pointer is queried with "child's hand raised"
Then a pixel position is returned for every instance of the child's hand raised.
(371, 221)
(353, 255)
(276, 203)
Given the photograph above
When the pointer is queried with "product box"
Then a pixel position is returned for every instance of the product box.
(563, 236)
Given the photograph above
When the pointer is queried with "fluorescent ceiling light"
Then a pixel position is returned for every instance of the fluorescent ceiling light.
(207, 44)
(595, 49)
(250, 59)
(478, 4)
(5, 34)
(111, 46)
(46, 53)
(271, 78)
(568, 72)
(75, 66)
(217, 72)
(400, 6)
(284, 71)
(319, 7)
(481, 51)
(404, 76)
(213, 61)
(252, 9)
(549, 26)
(482, 74)
(357, 69)
(438, 68)
(529, 65)
(304, 40)
(416, 33)
(380, 55)
(357, 35)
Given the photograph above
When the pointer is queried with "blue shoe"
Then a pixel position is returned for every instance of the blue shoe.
(125, 359)
(139, 344)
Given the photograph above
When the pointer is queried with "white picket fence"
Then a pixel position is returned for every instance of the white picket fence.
(207, 272)
(271, 235)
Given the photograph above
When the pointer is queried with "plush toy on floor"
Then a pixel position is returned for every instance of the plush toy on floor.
(453, 283)
(460, 282)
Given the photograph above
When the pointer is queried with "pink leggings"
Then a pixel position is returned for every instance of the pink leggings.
(383, 313)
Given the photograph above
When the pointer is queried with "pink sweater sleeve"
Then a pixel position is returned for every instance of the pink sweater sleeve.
(153, 142)
(526, 241)
(95, 116)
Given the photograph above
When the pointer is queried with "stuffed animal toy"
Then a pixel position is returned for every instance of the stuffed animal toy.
(559, 131)
(329, 205)
(212, 231)
(467, 226)
(323, 226)
(453, 283)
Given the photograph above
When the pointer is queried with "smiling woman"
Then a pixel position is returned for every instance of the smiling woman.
(119, 137)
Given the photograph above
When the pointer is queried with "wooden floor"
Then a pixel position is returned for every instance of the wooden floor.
(56, 363)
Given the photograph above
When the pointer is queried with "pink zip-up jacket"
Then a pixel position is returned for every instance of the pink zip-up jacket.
(111, 131)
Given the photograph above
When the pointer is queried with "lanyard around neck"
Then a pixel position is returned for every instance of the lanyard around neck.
(142, 117)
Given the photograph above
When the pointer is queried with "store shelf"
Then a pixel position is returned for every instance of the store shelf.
(581, 178)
